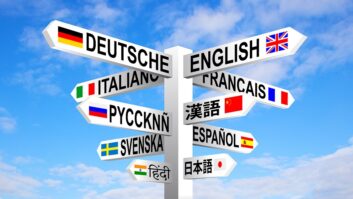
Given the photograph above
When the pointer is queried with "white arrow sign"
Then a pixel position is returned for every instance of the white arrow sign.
(227, 106)
(150, 171)
(230, 83)
(267, 46)
(220, 165)
(222, 138)
(117, 114)
(115, 84)
(150, 144)
(79, 41)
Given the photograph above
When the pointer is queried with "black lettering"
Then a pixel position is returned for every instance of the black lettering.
(112, 112)
(256, 48)
(90, 37)
(219, 58)
(164, 63)
(123, 147)
(112, 54)
(262, 93)
(139, 55)
(132, 56)
(195, 133)
(131, 122)
(123, 46)
(101, 45)
(243, 50)
(193, 62)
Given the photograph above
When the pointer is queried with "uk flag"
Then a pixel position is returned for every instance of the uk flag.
(277, 42)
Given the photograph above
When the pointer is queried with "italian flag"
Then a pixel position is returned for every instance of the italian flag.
(85, 90)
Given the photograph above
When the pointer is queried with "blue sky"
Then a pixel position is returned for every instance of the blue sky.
(48, 150)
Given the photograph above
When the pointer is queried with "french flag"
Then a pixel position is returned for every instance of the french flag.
(98, 112)
(272, 96)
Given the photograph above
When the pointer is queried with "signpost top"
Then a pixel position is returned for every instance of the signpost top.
(222, 138)
(214, 108)
(150, 171)
(231, 83)
(83, 42)
(219, 165)
(119, 83)
(267, 46)
(121, 115)
(150, 144)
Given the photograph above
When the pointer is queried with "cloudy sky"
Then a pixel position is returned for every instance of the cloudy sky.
(48, 150)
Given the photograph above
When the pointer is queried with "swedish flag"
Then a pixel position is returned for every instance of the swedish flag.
(108, 149)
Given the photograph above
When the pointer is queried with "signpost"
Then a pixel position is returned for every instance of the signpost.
(227, 106)
(123, 82)
(222, 138)
(150, 144)
(220, 165)
(148, 67)
(231, 83)
(117, 114)
(150, 171)
(83, 42)
(263, 47)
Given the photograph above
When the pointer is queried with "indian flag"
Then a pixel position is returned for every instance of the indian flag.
(140, 169)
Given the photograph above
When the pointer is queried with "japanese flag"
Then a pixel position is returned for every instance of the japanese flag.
(219, 164)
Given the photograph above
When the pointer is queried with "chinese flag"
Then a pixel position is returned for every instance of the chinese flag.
(232, 104)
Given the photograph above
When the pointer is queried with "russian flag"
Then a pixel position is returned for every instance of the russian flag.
(98, 112)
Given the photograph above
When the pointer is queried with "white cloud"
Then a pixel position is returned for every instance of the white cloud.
(7, 122)
(266, 162)
(323, 177)
(313, 8)
(334, 49)
(203, 26)
(52, 183)
(148, 191)
(32, 39)
(13, 183)
(89, 174)
(101, 11)
(21, 160)
(39, 79)
(274, 13)
(351, 140)
(62, 13)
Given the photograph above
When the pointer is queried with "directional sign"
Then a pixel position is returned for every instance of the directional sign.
(231, 83)
(150, 171)
(217, 108)
(267, 46)
(222, 138)
(117, 114)
(220, 165)
(150, 144)
(79, 41)
(115, 84)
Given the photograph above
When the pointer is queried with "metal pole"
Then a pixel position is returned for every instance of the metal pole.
(177, 91)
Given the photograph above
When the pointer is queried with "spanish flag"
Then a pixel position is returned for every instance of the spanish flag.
(247, 142)
(70, 37)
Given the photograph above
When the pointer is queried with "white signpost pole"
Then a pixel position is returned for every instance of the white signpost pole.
(177, 91)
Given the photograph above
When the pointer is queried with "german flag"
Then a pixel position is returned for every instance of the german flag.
(70, 37)
(247, 142)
